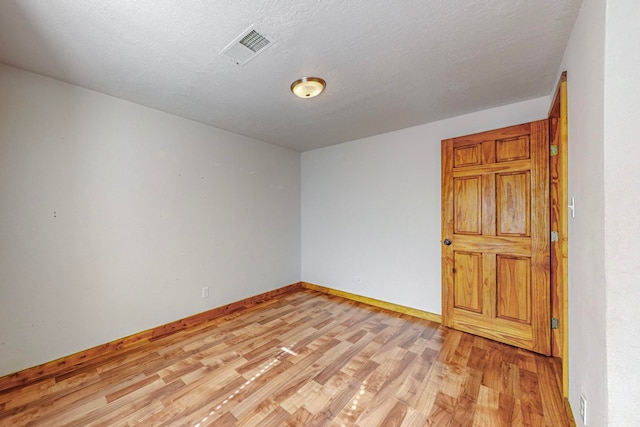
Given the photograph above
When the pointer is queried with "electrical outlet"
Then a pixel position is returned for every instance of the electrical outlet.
(205, 292)
(583, 409)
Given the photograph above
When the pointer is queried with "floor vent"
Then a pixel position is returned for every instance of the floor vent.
(249, 44)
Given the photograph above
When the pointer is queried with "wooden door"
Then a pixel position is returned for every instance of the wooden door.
(495, 234)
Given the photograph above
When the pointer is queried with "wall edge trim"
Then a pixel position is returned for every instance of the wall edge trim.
(414, 312)
(84, 358)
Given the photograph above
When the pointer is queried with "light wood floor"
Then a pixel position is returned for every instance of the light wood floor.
(307, 359)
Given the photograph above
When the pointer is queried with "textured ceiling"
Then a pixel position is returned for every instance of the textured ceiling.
(388, 64)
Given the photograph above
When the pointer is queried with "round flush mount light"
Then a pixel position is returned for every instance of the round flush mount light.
(308, 87)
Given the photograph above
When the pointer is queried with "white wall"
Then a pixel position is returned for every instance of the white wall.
(149, 209)
(371, 208)
(622, 208)
(584, 62)
(602, 60)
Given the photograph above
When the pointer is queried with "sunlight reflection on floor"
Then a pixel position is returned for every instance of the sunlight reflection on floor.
(284, 352)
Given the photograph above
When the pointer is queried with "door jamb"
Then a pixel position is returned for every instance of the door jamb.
(558, 168)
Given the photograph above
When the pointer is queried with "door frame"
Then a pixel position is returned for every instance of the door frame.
(559, 204)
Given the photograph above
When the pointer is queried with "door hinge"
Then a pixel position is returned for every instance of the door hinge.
(554, 150)
(554, 323)
(554, 236)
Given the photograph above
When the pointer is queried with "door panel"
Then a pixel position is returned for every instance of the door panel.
(495, 217)
(513, 283)
(468, 208)
(468, 287)
(508, 150)
(513, 201)
(467, 156)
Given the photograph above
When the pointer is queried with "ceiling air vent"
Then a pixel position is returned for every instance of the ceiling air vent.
(249, 44)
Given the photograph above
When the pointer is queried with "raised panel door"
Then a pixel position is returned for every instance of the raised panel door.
(495, 231)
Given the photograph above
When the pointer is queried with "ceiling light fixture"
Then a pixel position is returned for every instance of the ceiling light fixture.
(308, 87)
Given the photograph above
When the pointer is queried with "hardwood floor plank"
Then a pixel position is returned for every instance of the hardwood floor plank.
(396, 415)
(552, 403)
(276, 418)
(508, 410)
(300, 418)
(530, 401)
(342, 395)
(414, 418)
(141, 404)
(227, 419)
(340, 359)
(442, 410)
(304, 359)
(179, 370)
(366, 370)
(487, 405)
(267, 382)
(465, 405)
